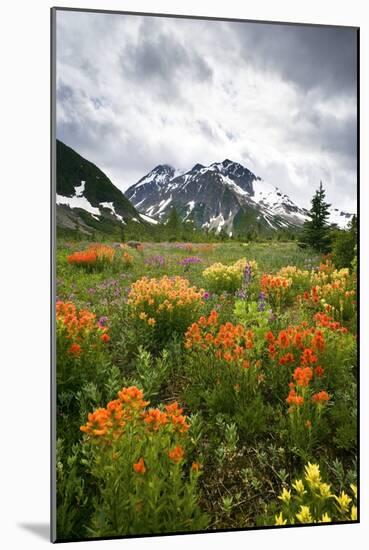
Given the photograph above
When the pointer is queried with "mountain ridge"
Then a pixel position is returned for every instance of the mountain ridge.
(223, 195)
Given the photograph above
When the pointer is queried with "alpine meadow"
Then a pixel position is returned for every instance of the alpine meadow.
(206, 275)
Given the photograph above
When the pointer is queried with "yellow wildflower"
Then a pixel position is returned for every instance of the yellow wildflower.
(151, 321)
(312, 474)
(304, 516)
(343, 501)
(298, 485)
(353, 512)
(279, 520)
(142, 315)
(285, 496)
(325, 490)
(325, 518)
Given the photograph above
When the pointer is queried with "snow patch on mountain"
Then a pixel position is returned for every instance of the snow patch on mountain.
(342, 219)
(110, 206)
(78, 200)
(79, 189)
(148, 219)
(163, 204)
(230, 183)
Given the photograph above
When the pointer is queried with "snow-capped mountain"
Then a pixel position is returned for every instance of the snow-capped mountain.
(224, 195)
(86, 198)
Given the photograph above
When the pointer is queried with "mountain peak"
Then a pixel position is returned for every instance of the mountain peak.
(197, 167)
(163, 168)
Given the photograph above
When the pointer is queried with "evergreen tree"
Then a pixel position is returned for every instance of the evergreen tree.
(316, 231)
(121, 233)
(174, 225)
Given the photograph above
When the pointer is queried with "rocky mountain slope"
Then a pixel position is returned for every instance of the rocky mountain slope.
(224, 195)
(86, 198)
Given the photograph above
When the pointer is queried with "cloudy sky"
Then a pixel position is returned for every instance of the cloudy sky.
(134, 92)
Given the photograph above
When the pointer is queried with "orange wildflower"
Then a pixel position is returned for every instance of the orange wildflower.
(288, 358)
(228, 342)
(303, 376)
(283, 339)
(155, 418)
(173, 409)
(105, 337)
(82, 258)
(75, 350)
(196, 466)
(96, 424)
(176, 454)
(294, 399)
(139, 467)
(320, 397)
(319, 371)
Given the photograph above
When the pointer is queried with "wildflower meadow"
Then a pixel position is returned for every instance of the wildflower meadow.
(202, 387)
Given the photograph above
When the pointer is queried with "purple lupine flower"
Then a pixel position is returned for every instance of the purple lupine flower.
(190, 260)
(155, 261)
(102, 322)
(241, 294)
(187, 262)
(261, 302)
(247, 274)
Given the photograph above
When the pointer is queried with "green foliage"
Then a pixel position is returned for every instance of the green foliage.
(229, 390)
(174, 225)
(71, 492)
(252, 316)
(344, 417)
(344, 246)
(152, 372)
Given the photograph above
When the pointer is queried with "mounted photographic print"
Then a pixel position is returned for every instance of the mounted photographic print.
(204, 229)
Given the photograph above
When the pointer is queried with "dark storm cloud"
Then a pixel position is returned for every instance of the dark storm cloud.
(309, 57)
(337, 137)
(329, 131)
(157, 58)
(64, 93)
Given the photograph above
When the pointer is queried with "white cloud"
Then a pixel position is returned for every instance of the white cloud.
(136, 92)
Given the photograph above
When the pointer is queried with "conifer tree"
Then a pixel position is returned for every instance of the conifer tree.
(174, 224)
(316, 231)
